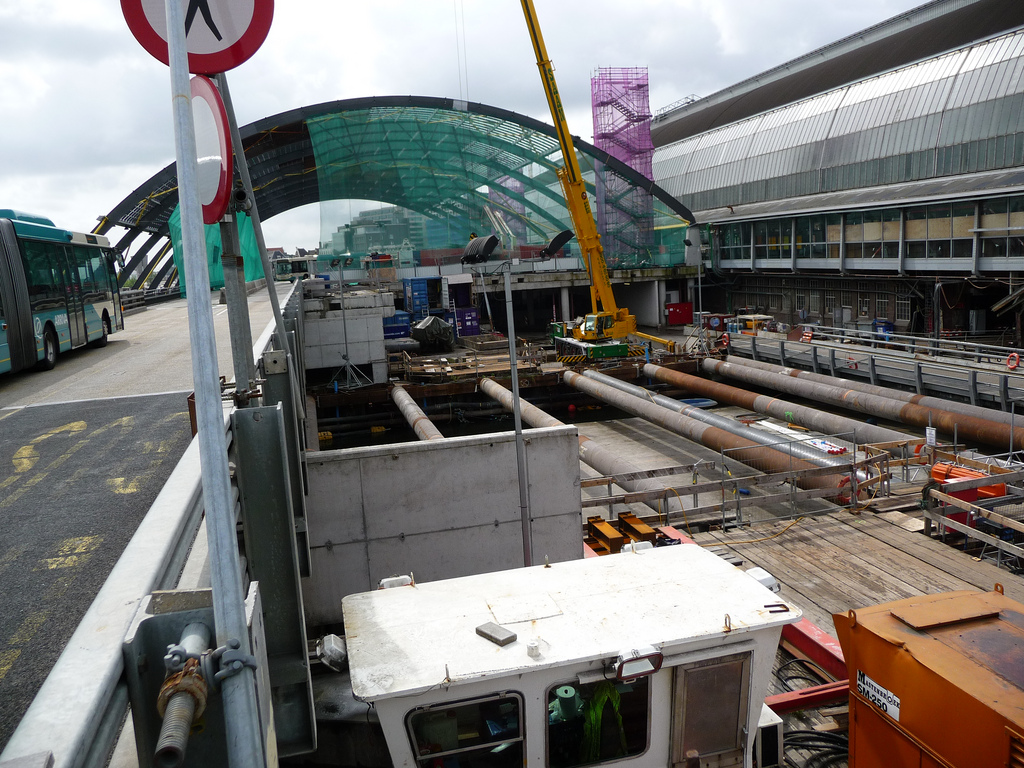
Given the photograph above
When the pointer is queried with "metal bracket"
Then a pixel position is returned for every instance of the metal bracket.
(230, 660)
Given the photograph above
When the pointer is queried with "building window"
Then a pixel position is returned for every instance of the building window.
(882, 307)
(815, 306)
(830, 302)
(903, 309)
(487, 731)
(620, 707)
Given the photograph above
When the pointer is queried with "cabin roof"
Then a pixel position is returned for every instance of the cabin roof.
(407, 640)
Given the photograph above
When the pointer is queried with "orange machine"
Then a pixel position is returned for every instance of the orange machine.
(936, 680)
(945, 472)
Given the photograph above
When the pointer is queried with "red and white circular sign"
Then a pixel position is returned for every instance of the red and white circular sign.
(220, 34)
(213, 149)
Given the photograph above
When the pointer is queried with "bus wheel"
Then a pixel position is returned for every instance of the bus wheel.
(49, 350)
(102, 340)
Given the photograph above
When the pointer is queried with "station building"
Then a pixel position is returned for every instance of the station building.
(878, 178)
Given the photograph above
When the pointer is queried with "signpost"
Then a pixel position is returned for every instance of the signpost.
(209, 37)
(213, 148)
(219, 34)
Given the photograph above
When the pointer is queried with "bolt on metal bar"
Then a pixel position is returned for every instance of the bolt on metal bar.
(239, 693)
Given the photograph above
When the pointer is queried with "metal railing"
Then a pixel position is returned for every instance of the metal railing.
(982, 374)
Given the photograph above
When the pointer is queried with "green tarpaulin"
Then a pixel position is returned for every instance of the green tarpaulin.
(250, 253)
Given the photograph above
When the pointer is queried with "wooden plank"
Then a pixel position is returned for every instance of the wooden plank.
(791, 588)
(808, 577)
(977, 574)
(866, 577)
(919, 574)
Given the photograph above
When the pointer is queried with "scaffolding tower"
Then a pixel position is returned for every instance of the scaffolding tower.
(622, 128)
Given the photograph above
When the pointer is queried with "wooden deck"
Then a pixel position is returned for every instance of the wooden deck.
(836, 562)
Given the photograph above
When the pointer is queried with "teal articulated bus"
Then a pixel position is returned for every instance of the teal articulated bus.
(58, 291)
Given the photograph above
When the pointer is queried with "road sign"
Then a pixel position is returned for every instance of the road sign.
(220, 34)
(213, 148)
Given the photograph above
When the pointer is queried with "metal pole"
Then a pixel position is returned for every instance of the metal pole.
(524, 494)
(261, 243)
(238, 310)
(239, 692)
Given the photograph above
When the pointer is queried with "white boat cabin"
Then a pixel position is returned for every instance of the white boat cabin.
(656, 658)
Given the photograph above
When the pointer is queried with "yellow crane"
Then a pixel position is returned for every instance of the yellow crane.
(607, 320)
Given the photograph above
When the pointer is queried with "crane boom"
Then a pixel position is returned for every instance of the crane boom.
(607, 320)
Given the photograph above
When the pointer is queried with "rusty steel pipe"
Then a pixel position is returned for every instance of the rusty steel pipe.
(418, 420)
(594, 455)
(747, 451)
(896, 394)
(775, 440)
(805, 416)
(836, 393)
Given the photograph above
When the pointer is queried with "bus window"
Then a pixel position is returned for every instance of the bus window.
(41, 272)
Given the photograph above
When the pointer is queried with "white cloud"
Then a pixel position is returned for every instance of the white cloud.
(85, 112)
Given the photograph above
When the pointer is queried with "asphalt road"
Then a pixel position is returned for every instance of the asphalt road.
(84, 450)
(75, 482)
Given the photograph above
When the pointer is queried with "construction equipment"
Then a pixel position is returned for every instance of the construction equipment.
(607, 321)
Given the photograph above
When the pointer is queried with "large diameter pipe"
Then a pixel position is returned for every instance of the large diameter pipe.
(793, 448)
(805, 416)
(753, 454)
(970, 427)
(418, 420)
(896, 394)
(591, 453)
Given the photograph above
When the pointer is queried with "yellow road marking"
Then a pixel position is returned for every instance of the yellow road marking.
(11, 555)
(23, 635)
(72, 553)
(26, 457)
(122, 486)
(7, 659)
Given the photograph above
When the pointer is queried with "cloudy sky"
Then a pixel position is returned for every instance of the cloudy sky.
(85, 112)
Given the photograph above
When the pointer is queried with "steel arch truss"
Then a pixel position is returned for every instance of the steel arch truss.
(439, 157)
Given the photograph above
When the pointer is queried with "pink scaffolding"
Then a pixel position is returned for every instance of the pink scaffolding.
(622, 128)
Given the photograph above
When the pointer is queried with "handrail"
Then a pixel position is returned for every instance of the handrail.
(949, 347)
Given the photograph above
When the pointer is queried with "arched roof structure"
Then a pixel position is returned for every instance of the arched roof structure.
(436, 156)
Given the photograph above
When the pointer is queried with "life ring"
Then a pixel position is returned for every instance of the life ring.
(1012, 361)
(723, 340)
(851, 363)
(847, 497)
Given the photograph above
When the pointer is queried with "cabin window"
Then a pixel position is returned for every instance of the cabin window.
(710, 701)
(591, 723)
(479, 733)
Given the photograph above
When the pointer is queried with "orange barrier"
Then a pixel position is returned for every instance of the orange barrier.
(944, 472)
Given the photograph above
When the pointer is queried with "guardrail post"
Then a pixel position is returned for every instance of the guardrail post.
(918, 378)
(872, 373)
(972, 386)
(782, 352)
